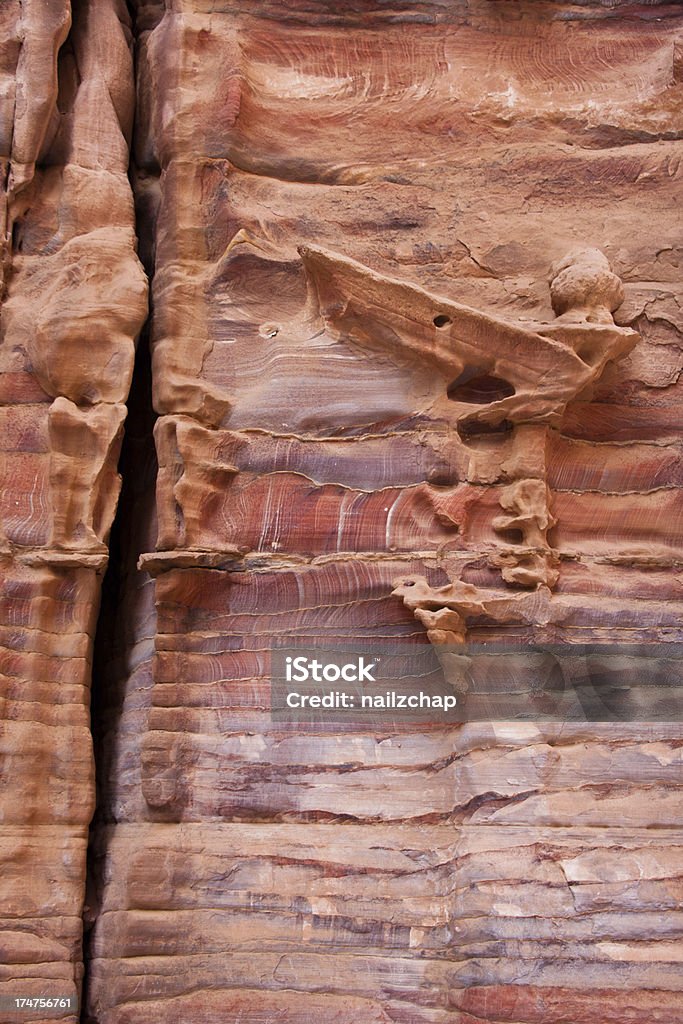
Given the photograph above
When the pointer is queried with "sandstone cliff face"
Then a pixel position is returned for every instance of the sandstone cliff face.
(416, 346)
(74, 302)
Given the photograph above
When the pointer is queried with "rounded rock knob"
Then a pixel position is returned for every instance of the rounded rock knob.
(582, 284)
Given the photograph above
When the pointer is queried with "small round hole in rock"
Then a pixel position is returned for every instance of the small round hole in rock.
(441, 320)
(479, 389)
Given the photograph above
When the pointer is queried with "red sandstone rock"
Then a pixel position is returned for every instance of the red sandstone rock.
(416, 346)
(74, 303)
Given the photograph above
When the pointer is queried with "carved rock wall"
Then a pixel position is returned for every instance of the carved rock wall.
(416, 346)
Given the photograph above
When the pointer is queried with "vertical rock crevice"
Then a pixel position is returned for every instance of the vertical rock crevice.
(121, 652)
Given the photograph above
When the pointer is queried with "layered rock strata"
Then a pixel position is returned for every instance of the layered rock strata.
(74, 301)
(362, 376)
(416, 346)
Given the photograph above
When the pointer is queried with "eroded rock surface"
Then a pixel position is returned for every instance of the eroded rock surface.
(416, 348)
(74, 303)
(416, 317)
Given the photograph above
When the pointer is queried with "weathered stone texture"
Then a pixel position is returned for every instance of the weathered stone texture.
(74, 302)
(329, 188)
(416, 347)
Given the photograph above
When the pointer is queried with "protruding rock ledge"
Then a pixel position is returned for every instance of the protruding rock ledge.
(66, 559)
(538, 366)
(444, 610)
(158, 562)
